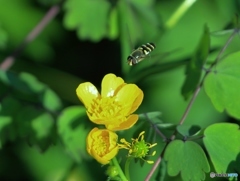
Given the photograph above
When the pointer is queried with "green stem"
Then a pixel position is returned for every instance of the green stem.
(127, 168)
(121, 174)
(179, 13)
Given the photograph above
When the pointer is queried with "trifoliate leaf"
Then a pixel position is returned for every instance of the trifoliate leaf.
(222, 85)
(72, 131)
(194, 67)
(222, 141)
(187, 158)
(89, 18)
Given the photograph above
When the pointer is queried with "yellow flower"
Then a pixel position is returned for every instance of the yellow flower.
(113, 108)
(138, 148)
(102, 145)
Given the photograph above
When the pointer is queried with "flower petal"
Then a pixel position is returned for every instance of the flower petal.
(111, 154)
(131, 97)
(110, 84)
(130, 121)
(101, 160)
(95, 119)
(86, 92)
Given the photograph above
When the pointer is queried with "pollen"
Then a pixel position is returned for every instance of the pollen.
(138, 148)
(102, 145)
(105, 107)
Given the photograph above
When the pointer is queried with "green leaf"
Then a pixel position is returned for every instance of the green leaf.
(187, 158)
(23, 120)
(89, 18)
(113, 24)
(42, 125)
(222, 141)
(194, 67)
(5, 120)
(35, 125)
(3, 38)
(29, 88)
(72, 131)
(23, 85)
(22, 82)
(3, 89)
(50, 100)
(223, 32)
(34, 122)
(188, 130)
(222, 85)
(33, 84)
(9, 107)
(231, 27)
(154, 117)
(145, 9)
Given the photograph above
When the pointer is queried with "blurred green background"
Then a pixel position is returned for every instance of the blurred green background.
(43, 125)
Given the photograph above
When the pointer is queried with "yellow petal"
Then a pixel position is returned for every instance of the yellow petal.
(110, 85)
(111, 154)
(131, 97)
(130, 121)
(90, 140)
(101, 160)
(86, 92)
(95, 119)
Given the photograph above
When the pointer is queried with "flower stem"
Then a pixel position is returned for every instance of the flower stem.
(127, 168)
(121, 174)
(179, 13)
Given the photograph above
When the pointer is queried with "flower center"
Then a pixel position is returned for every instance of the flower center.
(105, 107)
(102, 144)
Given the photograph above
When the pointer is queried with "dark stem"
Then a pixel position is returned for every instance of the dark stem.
(224, 47)
(8, 61)
(155, 127)
(196, 92)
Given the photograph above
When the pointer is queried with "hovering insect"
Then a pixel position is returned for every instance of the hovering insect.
(140, 53)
